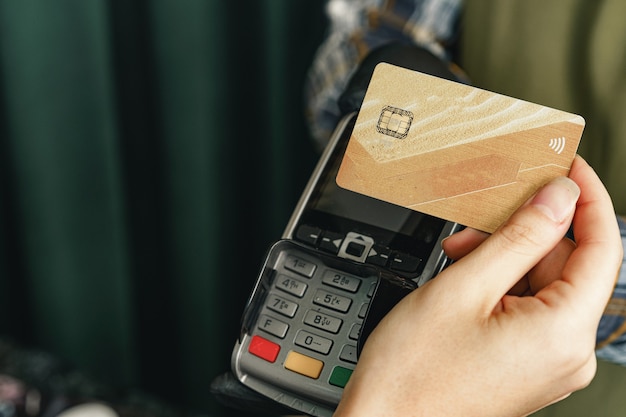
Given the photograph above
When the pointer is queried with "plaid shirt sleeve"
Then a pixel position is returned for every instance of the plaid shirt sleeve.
(611, 336)
(357, 27)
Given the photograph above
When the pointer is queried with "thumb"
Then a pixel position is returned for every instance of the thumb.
(519, 244)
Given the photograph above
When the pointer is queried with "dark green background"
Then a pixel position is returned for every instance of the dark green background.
(150, 151)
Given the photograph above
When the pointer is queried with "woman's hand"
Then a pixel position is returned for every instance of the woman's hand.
(507, 329)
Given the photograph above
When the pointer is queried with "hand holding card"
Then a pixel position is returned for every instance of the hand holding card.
(454, 151)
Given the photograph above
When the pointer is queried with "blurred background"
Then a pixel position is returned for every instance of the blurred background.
(149, 154)
(150, 151)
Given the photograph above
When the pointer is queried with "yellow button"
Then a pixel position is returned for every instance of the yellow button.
(304, 365)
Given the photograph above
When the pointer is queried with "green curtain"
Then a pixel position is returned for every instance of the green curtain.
(150, 151)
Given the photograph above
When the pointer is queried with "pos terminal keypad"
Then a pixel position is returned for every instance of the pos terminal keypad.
(309, 324)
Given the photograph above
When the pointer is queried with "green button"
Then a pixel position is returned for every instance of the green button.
(340, 376)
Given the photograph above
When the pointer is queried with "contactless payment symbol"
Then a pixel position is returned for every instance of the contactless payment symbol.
(557, 144)
(394, 122)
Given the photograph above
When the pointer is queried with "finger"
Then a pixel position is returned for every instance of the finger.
(460, 244)
(512, 250)
(551, 267)
(546, 271)
(593, 266)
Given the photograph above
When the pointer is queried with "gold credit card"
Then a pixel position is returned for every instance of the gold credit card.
(454, 151)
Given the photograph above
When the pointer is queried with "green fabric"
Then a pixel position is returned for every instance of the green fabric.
(571, 55)
(567, 54)
(149, 154)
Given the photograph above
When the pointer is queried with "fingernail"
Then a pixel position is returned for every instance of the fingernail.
(557, 199)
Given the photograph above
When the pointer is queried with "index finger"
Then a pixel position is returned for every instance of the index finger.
(593, 266)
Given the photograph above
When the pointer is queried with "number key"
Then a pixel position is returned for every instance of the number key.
(300, 266)
(322, 321)
(290, 285)
(282, 306)
(333, 301)
(313, 342)
(339, 280)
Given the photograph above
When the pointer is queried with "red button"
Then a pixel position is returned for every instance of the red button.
(263, 348)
